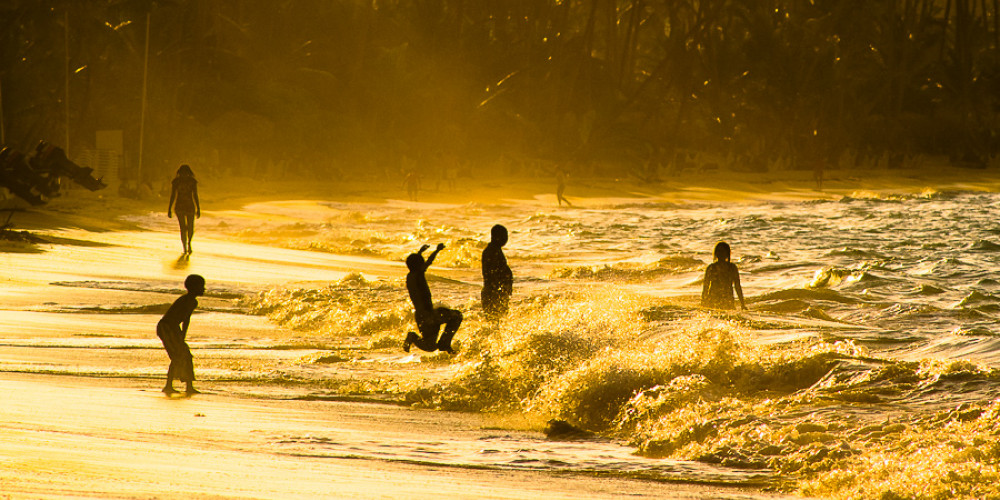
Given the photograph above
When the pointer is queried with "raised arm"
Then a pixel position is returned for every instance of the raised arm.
(430, 258)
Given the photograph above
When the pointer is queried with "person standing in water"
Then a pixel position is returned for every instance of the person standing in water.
(561, 186)
(429, 318)
(721, 277)
(184, 202)
(172, 330)
(412, 182)
(498, 280)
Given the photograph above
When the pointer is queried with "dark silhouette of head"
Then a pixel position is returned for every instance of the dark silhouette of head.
(185, 171)
(722, 251)
(414, 262)
(195, 284)
(498, 235)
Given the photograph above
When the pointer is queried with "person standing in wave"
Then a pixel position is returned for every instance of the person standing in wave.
(498, 280)
(721, 277)
(561, 186)
(172, 330)
(184, 202)
(412, 181)
(429, 319)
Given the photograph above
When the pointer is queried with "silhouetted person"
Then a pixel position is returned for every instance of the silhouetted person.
(172, 330)
(561, 186)
(412, 182)
(429, 319)
(721, 277)
(184, 202)
(451, 172)
(498, 280)
(818, 167)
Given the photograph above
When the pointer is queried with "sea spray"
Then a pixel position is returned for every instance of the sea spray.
(629, 271)
(674, 381)
(548, 335)
(701, 388)
(831, 438)
(353, 306)
(948, 454)
(829, 380)
(830, 417)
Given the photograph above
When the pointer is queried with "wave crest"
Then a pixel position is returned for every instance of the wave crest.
(342, 309)
(630, 271)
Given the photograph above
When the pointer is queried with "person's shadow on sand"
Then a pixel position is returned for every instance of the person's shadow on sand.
(180, 395)
(182, 262)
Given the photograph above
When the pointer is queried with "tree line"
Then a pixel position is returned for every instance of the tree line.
(348, 87)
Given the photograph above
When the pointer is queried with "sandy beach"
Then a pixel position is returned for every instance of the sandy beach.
(81, 367)
(64, 437)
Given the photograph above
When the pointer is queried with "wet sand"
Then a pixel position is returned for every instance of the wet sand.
(70, 435)
(84, 418)
(67, 437)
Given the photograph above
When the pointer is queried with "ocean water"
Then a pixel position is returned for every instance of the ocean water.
(864, 368)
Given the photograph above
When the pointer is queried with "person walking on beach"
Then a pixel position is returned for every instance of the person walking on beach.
(561, 186)
(721, 277)
(172, 330)
(429, 319)
(498, 280)
(184, 202)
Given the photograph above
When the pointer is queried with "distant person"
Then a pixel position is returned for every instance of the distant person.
(721, 277)
(184, 202)
(498, 280)
(818, 167)
(429, 319)
(412, 182)
(561, 186)
(172, 330)
(451, 172)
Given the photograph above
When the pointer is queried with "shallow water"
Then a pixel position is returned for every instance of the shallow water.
(863, 314)
(863, 367)
(910, 275)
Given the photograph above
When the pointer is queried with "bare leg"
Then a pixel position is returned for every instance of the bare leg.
(182, 221)
(452, 320)
(426, 342)
(186, 222)
(190, 232)
(168, 389)
(560, 198)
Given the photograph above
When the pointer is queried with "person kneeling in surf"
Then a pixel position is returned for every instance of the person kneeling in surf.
(429, 318)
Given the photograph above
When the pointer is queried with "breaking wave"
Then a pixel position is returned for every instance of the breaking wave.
(862, 371)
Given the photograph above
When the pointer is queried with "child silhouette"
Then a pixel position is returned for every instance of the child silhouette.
(172, 330)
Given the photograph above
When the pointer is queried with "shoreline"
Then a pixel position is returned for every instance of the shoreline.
(104, 247)
(82, 209)
(105, 434)
(125, 443)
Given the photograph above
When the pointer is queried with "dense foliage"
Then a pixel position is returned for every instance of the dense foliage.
(351, 87)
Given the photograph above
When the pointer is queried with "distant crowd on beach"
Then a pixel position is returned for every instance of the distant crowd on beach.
(722, 279)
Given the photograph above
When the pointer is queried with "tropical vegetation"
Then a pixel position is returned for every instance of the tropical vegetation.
(334, 88)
